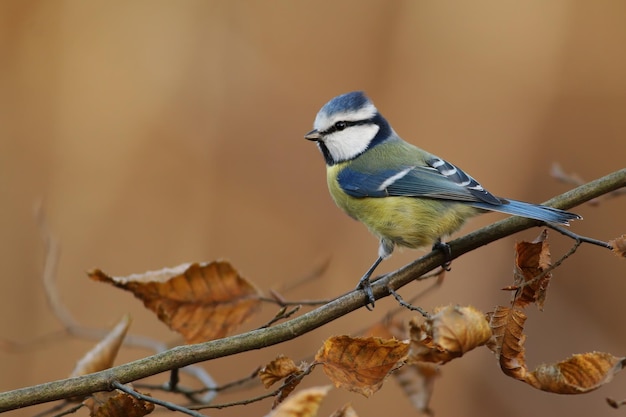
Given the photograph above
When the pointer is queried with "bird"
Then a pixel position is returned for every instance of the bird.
(403, 194)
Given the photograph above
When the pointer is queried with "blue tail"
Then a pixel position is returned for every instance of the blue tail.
(532, 211)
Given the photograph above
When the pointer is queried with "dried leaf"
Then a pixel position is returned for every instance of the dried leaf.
(507, 325)
(361, 364)
(577, 374)
(279, 368)
(345, 411)
(418, 382)
(103, 355)
(200, 301)
(619, 246)
(447, 334)
(305, 403)
(531, 261)
(117, 404)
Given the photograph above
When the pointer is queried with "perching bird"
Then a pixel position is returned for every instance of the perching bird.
(403, 194)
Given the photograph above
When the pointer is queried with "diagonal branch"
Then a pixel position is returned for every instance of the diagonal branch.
(257, 339)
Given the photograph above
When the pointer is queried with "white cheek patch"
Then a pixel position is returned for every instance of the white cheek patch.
(351, 142)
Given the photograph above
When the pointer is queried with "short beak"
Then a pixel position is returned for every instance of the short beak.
(313, 135)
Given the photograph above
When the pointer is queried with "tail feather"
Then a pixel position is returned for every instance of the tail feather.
(531, 211)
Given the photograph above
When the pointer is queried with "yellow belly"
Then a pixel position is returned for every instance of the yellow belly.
(406, 221)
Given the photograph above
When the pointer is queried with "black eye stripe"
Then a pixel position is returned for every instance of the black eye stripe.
(338, 125)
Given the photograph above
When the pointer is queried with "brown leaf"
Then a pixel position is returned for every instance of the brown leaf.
(448, 334)
(619, 246)
(103, 355)
(304, 403)
(345, 411)
(361, 364)
(417, 381)
(117, 404)
(507, 342)
(200, 301)
(577, 374)
(531, 261)
(279, 368)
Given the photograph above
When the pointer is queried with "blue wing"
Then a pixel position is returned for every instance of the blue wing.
(439, 179)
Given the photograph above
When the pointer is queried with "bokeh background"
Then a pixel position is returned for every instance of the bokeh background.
(158, 132)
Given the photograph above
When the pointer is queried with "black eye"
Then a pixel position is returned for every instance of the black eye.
(341, 125)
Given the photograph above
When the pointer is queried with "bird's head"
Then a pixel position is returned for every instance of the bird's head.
(347, 126)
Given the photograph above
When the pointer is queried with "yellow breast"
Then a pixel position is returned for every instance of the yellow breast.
(407, 221)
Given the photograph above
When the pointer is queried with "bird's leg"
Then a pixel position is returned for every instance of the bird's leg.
(384, 251)
(447, 252)
(365, 285)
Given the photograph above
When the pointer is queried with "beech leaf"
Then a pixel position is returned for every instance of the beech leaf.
(619, 246)
(449, 333)
(200, 301)
(304, 403)
(281, 368)
(532, 259)
(103, 355)
(578, 374)
(117, 404)
(361, 364)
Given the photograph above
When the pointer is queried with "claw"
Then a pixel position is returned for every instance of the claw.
(447, 252)
(366, 286)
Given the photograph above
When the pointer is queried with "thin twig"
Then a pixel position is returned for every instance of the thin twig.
(277, 391)
(58, 407)
(578, 237)
(162, 403)
(407, 305)
(282, 314)
(284, 303)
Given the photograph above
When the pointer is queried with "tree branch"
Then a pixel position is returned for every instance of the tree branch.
(257, 339)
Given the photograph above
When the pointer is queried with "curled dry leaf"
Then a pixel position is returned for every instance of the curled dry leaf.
(532, 259)
(200, 301)
(117, 404)
(103, 355)
(417, 381)
(507, 325)
(361, 364)
(448, 334)
(577, 374)
(279, 368)
(619, 246)
(304, 403)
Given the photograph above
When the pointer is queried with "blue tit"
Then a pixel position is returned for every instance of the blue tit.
(403, 194)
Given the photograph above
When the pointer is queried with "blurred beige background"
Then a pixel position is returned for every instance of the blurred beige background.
(160, 132)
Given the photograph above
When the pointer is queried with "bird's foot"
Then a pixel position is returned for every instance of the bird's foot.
(366, 286)
(447, 252)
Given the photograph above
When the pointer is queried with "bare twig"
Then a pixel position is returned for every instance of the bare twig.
(162, 403)
(408, 305)
(277, 391)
